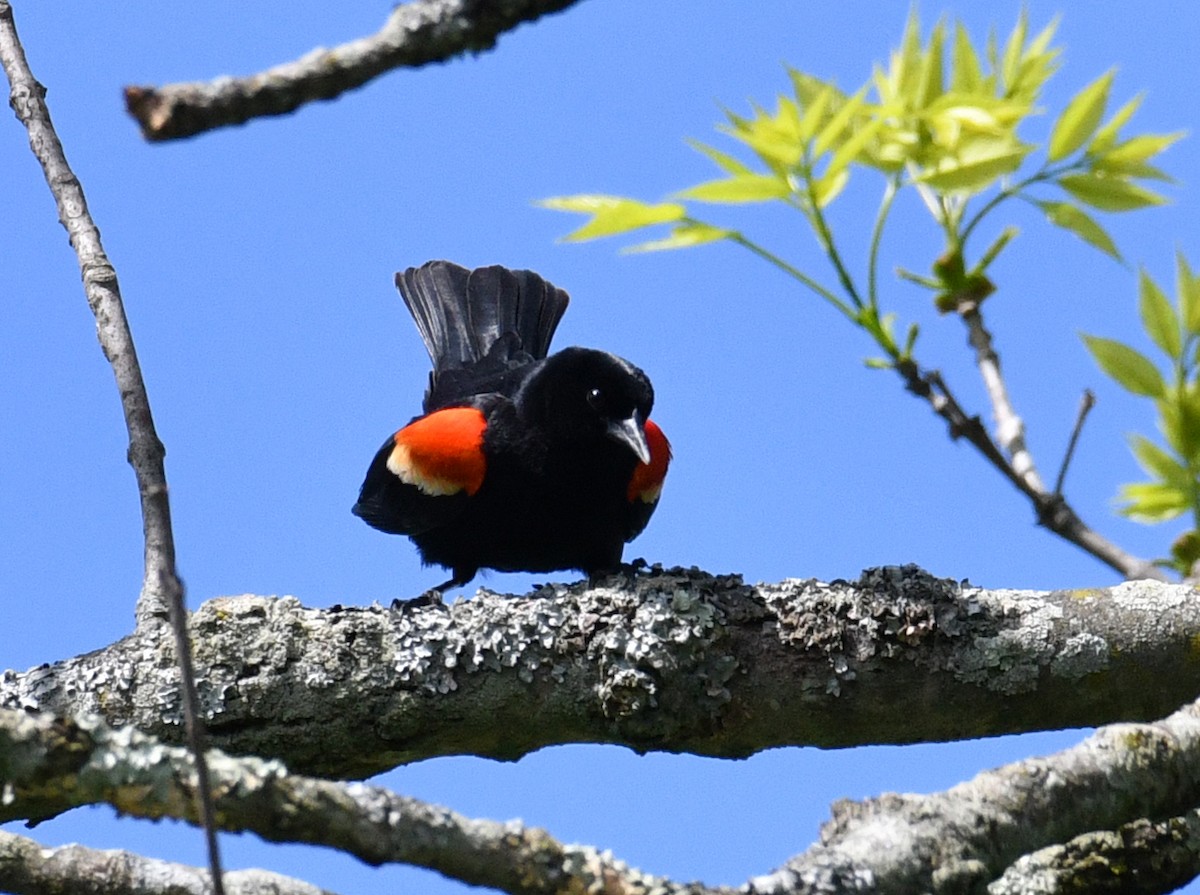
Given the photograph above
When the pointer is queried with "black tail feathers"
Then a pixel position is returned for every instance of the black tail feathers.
(462, 314)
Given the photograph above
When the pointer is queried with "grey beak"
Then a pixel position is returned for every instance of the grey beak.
(629, 432)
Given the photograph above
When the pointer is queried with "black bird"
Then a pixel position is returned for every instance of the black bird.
(520, 462)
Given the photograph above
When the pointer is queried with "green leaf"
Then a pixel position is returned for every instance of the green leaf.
(1080, 118)
(682, 237)
(723, 160)
(1135, 150)
(1152, 501)
(1076, 220)
(829, 185)
(1010, 65)
(978, 170)
(613, 214)
(929, 83)
(774, 139)
(1159, 463)
(1187, 286)
(741, 188)
(1129, 367)
(1106, 137)
(832, 132)
(1109, 193)
(815, 112)
(852, 148)
(1158, 317)
(966, 75)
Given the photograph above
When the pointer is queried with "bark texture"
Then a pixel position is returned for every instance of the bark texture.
(673, 660)
(415, 34)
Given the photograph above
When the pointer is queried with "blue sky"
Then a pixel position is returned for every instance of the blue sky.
(257, 263)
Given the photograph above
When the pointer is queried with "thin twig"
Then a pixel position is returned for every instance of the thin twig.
(162, 592)
(1086, 403)
(1053, 512)
(415, 34)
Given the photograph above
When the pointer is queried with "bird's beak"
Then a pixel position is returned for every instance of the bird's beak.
(629, 432)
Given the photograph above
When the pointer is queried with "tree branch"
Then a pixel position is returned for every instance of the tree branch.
(663, 660)
(27, 99)
(955, 841)
(948, 842)
(1053, 511)
(1140, 858)
(29, 868)
(58, 765)
(162, 591)
(1010, 428)
(415, 34)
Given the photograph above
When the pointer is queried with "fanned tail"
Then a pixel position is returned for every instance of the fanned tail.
(461, 314)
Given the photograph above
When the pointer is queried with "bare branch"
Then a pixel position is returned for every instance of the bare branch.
(948, 842)
(1053, 512)
(957, 840)
(162, 591)
(59, 765)
(1086, 403)
(1010, 428)
(665, 660)
(27, 99)
(29, 868)
(415, 34)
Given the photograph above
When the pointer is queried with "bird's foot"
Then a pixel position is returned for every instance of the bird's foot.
(431, 598)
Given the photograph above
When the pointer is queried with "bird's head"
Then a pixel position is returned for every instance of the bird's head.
(580, 393)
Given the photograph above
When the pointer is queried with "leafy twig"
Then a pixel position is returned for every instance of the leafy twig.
(162, 591)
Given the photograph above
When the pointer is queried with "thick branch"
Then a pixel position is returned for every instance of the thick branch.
(52, 766)
(949, 842)
(957, 840)
(29, 868)
(415, 34)
(1140, 858)
(663, 660)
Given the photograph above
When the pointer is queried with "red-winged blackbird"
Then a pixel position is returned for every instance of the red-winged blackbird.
(521, 462)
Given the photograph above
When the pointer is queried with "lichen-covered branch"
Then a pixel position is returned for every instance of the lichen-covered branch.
(51, 765)
(415, 34)
(30, 868)
(960, 839)
(672, 660)
(1140, 858)
(949, 842)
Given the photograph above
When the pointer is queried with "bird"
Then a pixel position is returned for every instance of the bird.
(521, 460)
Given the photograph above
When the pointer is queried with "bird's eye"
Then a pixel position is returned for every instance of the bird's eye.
(595, 398)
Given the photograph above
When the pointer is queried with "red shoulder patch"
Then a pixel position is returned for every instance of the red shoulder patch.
(441, 453)
(647, 481)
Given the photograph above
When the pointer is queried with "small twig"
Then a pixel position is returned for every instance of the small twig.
(1086, 403)
(162, 592)
(415, 34)
(1053, 512)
